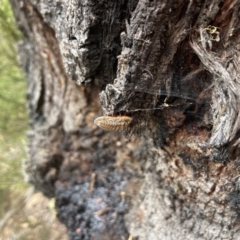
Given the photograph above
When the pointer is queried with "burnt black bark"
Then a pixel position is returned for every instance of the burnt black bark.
(172, 67)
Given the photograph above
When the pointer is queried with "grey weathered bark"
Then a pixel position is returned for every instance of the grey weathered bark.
(172, 66)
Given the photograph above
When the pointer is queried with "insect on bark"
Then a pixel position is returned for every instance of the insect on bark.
(108, 123)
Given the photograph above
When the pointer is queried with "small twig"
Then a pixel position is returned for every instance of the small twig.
(102, 211)
(92, 183)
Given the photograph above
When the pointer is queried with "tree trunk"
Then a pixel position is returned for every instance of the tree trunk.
(168, 77)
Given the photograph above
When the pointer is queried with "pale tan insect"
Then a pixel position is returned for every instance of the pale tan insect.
(108, 123)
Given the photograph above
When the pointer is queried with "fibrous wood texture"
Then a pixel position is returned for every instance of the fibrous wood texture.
(169, 66)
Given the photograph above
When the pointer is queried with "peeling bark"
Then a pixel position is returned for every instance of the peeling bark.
(169, 66)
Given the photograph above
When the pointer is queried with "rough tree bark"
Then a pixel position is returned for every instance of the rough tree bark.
(172, 67)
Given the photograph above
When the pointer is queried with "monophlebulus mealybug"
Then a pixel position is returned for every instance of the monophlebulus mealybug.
(109, 123)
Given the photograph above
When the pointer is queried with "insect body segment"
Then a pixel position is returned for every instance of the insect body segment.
(108, 123)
